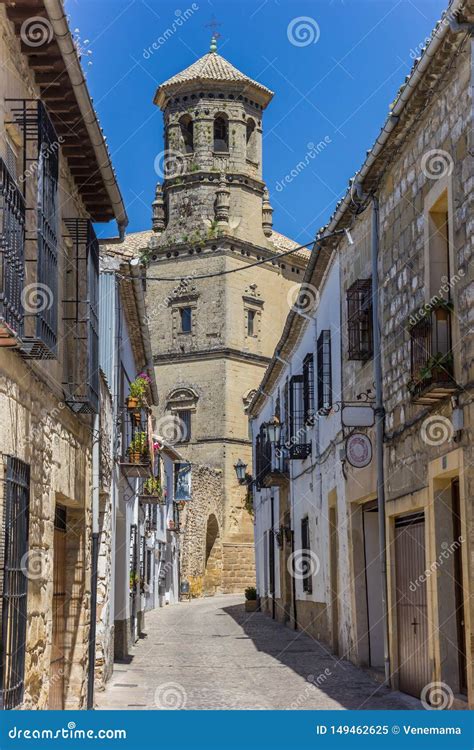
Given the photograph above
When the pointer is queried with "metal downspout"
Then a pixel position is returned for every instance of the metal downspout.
(95, 557)
(379, 429)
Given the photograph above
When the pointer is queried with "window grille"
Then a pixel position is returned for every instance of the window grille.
(40, 168)
(81, 318)
(308, 388)
(324, 370)
(359, 319)
(299, 447)
(12, 250)
(14, 583)
(184, 426)
(306, 566)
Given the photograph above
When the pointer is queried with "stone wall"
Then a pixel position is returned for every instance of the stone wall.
(56, 444)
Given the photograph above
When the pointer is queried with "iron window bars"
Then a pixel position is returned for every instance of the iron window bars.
(306, 556)
(359, 319)
(39, 179)
(12, 252)
(308, 388)
(324, 370)
(431, 350)
(80, 318)
(14, 583)
(299, 448)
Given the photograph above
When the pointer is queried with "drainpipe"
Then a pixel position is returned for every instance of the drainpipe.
(379, 428)
(95, 557)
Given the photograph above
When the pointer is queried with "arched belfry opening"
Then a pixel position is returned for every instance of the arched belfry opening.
(221, 133)
(212, 557)
(187, 133)
(251, 139)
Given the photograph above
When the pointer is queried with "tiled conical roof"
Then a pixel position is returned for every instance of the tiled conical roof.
(211, 68)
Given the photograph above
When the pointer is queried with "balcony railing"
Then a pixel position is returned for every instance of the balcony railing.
(432, 374)
(12, 250)
(136, 459)
(271, 463)
(40, 174)
(80, 318)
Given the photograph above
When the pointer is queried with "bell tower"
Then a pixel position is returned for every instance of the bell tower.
(216, 320)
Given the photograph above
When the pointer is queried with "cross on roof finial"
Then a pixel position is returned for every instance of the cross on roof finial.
(215, 34)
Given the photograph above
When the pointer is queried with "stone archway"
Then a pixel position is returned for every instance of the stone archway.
(212, 558)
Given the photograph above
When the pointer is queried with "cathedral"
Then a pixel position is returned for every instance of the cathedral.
(215, 317)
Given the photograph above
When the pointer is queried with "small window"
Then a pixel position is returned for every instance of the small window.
(359, 319)
(186, 319)
(251, 322)
(221, 134)
(306, 558)
(324, 371)
(184, 425)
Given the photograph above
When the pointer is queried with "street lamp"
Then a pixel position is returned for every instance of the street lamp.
(273, 430)
(240, 470)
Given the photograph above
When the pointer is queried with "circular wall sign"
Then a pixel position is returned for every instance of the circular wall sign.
(359, 450)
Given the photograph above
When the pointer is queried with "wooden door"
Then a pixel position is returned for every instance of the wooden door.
(412, 615)
(56, 685)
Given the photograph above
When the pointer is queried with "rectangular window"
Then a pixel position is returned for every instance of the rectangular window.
(186, 319)
(324, 370)
(308, 388)
(299, 445)
(359, 319)
(184, 425)
(306, 566)
(14, 583)
(250, 322)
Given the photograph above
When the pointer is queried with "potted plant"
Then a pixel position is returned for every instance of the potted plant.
(138, 389)
(251, 599)
(152, 487)
(137, 450)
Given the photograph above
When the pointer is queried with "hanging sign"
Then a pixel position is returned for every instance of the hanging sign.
(359, 450)
(354, 415)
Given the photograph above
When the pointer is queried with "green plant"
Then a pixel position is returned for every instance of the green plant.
(437, 361)
(152, 486)
(251, 594)
(248, 501)
(139, 443)
(139, 387)
(134, 579)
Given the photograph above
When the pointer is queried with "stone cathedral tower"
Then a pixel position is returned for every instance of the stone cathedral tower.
(212, 338)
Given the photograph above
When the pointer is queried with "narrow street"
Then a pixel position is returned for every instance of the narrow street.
(211, 654)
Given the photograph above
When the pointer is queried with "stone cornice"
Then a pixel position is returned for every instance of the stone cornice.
(202, 354)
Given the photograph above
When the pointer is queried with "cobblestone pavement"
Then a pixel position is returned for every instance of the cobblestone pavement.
(211, 654)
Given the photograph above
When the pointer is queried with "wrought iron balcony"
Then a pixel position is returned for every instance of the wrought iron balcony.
(136, 460)
(432, 374)
(12, 250)
(272, 463)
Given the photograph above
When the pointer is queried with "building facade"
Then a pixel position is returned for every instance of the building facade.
(212, 337)
(55, 181)
(405, 520)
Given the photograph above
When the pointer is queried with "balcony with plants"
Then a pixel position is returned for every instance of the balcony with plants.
(432, 366)
(137, 459)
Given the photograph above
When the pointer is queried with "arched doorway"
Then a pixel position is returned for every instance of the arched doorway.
(212, 558)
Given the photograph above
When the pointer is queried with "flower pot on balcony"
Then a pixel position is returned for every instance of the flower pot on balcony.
(135, 457)
(132, 402)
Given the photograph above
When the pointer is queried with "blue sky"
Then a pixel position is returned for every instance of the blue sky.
(335, 85)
